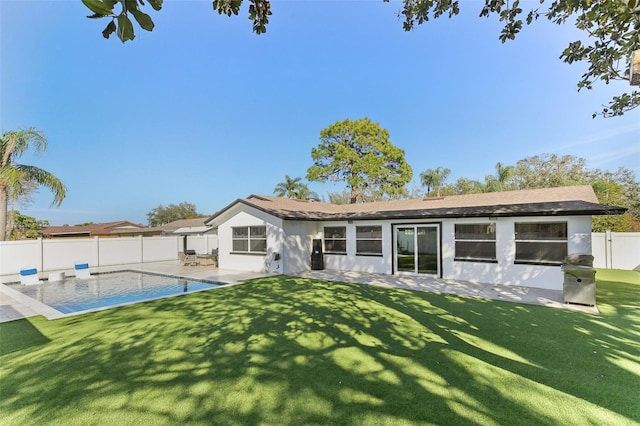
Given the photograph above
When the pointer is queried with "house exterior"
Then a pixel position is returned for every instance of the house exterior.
(510, 238)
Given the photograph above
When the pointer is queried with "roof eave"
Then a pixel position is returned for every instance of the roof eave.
(503, 211)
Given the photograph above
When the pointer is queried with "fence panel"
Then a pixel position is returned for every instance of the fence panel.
(599, 250)
(202, 244)
(625, 250)
(156, 249)
(64, 253)
(118, 251)
(15, 255)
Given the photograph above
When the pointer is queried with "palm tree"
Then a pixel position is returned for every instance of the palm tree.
(503, 179)
(292, 188)
(15, 177)
(434, 178)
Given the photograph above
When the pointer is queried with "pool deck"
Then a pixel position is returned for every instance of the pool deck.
(15, 305)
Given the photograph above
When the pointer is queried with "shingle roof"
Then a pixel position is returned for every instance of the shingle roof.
(168, 228)
(185, 223)
(90, 230)
(569, 200)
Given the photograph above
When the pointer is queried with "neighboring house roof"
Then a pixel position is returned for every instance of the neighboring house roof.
(187, 227)
(168, 228)
(185, 223)
(92, 230)
(190, 230)
(569, 200)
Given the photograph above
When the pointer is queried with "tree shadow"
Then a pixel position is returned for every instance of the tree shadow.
(285, 350)
(20, 335)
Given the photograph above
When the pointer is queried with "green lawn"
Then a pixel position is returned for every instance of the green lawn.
(283, 350)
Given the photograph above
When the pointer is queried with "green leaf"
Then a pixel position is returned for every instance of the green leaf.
(125, 28)
(109, 29)
(144, 20)
(156, 4)
(98, 7)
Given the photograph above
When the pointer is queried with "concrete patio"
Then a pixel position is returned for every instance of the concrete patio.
(14, 305)
(517, 294)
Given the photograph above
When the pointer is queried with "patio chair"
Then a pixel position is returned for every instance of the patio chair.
(190, 258)
(29, 276)
(82, 271)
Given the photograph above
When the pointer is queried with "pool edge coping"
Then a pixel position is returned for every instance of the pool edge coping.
(51, 313)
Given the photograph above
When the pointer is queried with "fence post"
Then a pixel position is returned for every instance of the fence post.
(40, 264)
(607, 249)
(141, 249)
(96, 249)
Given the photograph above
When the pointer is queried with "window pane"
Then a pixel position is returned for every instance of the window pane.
(541, 252)
(335, 232)
(369, 232)
(369, 246)
(240, 245)
(335, 246)
(240, 232)
(258, 231)
(482, 231)
(476, 250)
(259, 245)
(541, 231)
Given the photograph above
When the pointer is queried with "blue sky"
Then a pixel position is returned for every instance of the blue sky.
(202, 110)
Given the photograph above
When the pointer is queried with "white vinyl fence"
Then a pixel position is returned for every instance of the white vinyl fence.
(611, 250)
(616, 250)
(59, 254)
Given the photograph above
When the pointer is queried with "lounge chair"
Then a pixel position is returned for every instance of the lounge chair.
(29, 276)
(82, 271)
(190, 258)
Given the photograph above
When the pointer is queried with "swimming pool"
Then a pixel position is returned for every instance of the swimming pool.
(109, 290)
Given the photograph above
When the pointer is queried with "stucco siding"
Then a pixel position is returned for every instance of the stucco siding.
(249, 216)
(505, 271)
(297, 245)
(360, 263)
(293, 241)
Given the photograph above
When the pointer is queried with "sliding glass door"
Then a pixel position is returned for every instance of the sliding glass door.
(417, 249)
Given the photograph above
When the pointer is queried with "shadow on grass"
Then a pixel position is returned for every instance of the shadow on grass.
(285, 350)
(18, 336)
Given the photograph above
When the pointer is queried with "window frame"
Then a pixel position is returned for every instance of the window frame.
(251, 238)
(369, 239)
(329, 248)
(461, 240)
(541, 240)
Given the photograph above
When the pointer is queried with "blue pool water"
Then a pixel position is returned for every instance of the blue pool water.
(109, 289)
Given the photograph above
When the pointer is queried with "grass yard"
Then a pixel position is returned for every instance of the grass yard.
(283, 350)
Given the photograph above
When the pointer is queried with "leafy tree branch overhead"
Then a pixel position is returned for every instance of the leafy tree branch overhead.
(612, 30)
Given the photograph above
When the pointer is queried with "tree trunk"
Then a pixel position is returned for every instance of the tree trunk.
(354, 195)
(3, 212)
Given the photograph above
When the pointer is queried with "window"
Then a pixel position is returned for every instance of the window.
(249, 239)
(369, 240)
(541, 243)
(475, 242)
(335, 239)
